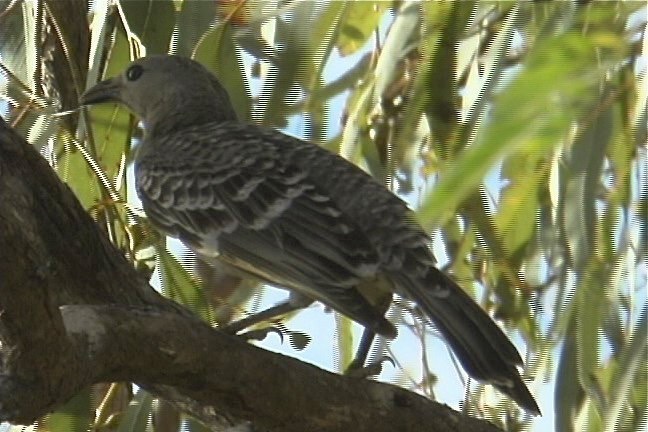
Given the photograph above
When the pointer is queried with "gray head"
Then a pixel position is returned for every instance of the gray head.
(167, 92)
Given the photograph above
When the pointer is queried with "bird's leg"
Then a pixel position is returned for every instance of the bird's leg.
(295, 302)
(357, 367)
(362, 353)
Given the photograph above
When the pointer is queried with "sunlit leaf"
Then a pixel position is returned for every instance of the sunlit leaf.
(359, 24)
(558, 72)
(74, 416)
(344, 340)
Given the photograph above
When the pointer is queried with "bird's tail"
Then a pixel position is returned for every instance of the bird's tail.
(482, 348)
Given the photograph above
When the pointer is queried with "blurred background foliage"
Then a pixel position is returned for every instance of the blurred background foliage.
(517, 130)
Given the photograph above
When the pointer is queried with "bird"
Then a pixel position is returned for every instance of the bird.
(293, 214)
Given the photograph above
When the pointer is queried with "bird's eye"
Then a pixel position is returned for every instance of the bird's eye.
(134, 72)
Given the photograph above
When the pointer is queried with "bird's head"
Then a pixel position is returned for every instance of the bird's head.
(167, 92)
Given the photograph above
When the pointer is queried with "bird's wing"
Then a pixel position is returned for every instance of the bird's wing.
(263, 215)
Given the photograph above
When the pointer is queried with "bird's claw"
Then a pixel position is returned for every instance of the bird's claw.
(261, 334)
(371, 369)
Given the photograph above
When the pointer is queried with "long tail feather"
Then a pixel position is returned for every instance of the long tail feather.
(480, 345)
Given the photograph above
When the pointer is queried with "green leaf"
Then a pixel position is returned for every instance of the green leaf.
(628, 375)
(534, 112)
(74, 416)
(194, 425)
(217, 51)
(624, 142)
(112, 123)
(433, 91)
(347, 81)
(359, 22)
(591, 302)
(344, 339)
(306, 38)
(12, 42)
(517, 208)
(74, 170)
(355, 135)
(152, 21)
(325, 27)
(108, 143)
(356, 145)
(435, 84)
(179, 285)
(582, 168)
(193, 21)
(568, 394)
(136, 417)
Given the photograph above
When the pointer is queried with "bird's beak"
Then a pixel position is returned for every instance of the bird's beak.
(104, 91)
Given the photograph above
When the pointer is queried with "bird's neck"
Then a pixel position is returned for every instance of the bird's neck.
(167, 118)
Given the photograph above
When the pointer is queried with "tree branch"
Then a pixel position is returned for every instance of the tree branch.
(74, 312)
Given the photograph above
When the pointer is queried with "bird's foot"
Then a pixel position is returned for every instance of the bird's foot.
(358, 370)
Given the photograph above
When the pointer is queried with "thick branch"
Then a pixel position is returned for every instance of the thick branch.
(115, 327)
